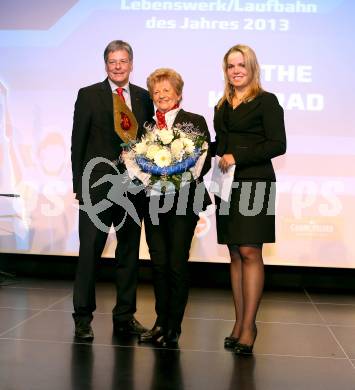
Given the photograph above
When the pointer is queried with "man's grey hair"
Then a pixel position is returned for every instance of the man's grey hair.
(118, 45)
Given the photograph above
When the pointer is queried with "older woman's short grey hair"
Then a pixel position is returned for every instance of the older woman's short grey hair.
(168, 74)
(118, 45)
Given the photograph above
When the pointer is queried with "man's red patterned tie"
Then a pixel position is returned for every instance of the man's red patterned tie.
(120, 93)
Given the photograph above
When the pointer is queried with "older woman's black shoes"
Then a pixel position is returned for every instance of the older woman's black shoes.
(160, 338)
(169, 340)
(151, 335)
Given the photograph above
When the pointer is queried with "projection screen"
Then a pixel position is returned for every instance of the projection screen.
(50, 49)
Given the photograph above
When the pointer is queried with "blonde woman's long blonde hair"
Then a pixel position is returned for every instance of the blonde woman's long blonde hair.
(253, 68)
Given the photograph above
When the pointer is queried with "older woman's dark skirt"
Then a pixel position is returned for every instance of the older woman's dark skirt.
(249, 216)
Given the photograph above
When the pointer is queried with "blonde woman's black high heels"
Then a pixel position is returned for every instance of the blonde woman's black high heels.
(245, 349)
(230, 342)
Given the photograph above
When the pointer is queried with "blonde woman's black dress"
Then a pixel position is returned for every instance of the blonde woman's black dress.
(253, 133)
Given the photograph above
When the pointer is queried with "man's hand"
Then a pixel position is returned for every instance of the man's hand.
(226, 162)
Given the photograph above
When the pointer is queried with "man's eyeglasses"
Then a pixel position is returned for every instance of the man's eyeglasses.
(118, 62)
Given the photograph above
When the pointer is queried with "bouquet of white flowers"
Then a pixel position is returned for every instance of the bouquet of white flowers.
(162, 156)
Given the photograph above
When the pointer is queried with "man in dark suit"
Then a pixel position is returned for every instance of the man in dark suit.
(106, 115)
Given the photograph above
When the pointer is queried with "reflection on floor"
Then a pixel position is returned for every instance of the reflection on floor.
(306, 340)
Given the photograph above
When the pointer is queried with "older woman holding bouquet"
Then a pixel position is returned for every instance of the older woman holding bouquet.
(250, 131)
(169, 240)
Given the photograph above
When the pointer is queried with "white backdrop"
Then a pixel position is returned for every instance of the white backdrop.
(48, 51)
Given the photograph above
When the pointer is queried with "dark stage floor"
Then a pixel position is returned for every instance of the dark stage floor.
(306, 341)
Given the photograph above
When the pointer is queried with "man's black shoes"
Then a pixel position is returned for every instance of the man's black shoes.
(83, 330)
(131, 327)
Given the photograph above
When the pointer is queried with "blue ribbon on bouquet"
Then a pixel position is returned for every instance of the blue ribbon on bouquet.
(148, 166)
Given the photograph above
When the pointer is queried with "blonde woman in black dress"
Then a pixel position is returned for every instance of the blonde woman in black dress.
(250, 131)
